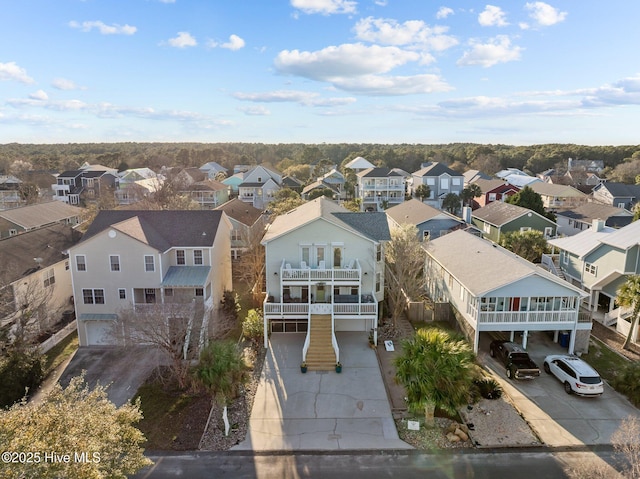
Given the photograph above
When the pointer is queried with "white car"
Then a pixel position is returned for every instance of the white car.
(576, 375)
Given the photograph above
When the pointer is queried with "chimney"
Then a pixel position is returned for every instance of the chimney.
(597, 224)
(466, 214)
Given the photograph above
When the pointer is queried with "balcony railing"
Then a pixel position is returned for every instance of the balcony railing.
(489, 317)
(352, 272)
(303, 309)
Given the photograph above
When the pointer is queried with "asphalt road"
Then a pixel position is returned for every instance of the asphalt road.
(486, 465)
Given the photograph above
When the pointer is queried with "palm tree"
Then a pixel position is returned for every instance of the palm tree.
(222, 371)
(469, 193)
(629, 296)
(437, 371)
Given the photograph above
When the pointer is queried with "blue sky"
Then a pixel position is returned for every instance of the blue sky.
(320, 71)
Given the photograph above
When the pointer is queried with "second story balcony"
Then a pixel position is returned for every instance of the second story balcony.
(351, 272)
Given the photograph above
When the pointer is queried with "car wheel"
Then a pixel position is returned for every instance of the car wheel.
(547, 369)
(567, 388)
(509, 373)
(492, 353)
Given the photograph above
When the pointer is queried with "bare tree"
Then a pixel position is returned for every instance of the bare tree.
(404, 268)
(626, 443)
(178, 330)
(251, 265)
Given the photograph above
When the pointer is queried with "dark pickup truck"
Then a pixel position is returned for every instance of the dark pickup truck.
(517, 361)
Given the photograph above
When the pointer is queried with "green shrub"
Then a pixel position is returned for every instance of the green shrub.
(627, 382)
(488, 388)
(222, 370)
(21, 372)
(253, 327)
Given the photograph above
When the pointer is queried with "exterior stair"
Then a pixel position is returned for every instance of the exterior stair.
(320, 355)
(559, 272)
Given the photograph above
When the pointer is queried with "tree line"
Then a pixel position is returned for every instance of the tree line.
(459, 156)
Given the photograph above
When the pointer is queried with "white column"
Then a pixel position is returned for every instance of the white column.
(525, 333)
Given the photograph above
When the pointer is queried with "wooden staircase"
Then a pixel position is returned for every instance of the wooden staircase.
(320, 355)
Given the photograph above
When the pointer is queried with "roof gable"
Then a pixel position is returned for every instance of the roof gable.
(161, 229)
(415, 212)
(240, 211)
(436, 169)
(484, 266)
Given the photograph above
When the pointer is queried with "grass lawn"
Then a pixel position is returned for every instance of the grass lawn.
(603, 360)
(59, 353)
(173, 420)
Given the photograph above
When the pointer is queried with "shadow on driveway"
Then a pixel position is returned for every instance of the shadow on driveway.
(123, 370)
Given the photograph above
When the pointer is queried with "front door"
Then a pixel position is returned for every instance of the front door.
(320, 296)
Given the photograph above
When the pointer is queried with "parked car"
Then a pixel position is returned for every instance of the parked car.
(517, 361)
(576, 375)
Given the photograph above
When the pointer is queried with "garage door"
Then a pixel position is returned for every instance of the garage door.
(99, 333)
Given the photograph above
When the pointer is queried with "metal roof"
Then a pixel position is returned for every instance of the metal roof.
(186, 277)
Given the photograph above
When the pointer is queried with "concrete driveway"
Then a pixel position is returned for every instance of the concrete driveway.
(123, 370)
(558, 418)
(321, 410)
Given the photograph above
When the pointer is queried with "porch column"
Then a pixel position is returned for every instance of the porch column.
(525, 334)
(572, 339)
(266, 333)
(512, 336)
(476, 340)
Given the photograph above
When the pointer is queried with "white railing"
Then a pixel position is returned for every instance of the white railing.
(339, 309)
(527, 317)
(612, 316)
(550, 261)
(287, 273)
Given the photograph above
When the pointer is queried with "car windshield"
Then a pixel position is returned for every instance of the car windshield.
(591, 379)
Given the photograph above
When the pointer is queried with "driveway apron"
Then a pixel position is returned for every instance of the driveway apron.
(321, 410)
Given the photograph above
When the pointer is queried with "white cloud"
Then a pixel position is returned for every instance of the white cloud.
(381, 3)
(359, 68)
(11, 71)
(497, 50)
(40, 95)
(411, 32)
(183, 40)
(103, 28)
(351, 59)
(444, 12)
(234, 43)
(378, 85)
(492, 16)
(325, 7)
(257, 110)
(64, 84)
(293, 96)
(167, 1)
(544, 14)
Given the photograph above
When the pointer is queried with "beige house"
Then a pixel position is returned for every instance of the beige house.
(324, 274)
(150, 261)
(248, 225)
(35, 281)
(558, 196)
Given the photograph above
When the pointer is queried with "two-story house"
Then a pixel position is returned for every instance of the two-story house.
(378, 188)
(35, 281)
(259, 185)
(619, 195)
(208, 193)
(574, 220)
(430, 222)
(214, 170)
(150, 262)
(359, 164)
(28, 218)
(492, 289)
(441, 181)
(247, 222)
(599, 260)
(555, 196)
(498, 218)
(84, 186)
(493, 190)
(324, 274)
(10, 192)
